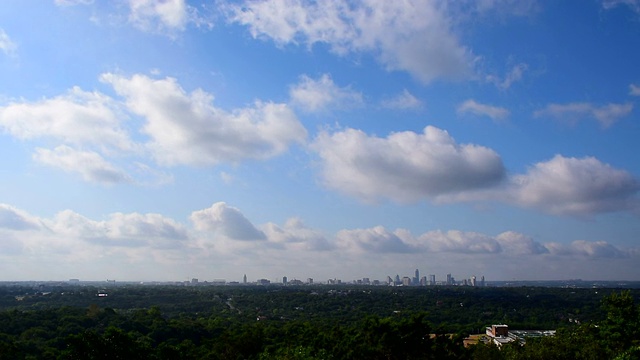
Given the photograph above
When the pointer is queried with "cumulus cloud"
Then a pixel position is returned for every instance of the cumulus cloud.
(185, 128)
(515, 243)
(402, 101)
(405, 166)
(317, 95)
(6, 44)
(227, 221)
(77, 117)
(575, 186)
(125, 230)
(413, 36)
(589, 249)
(459, 241)
(473, 107)
(297, 235)
(375, 240)
(606, 115)
(89, 164)
(158, 247)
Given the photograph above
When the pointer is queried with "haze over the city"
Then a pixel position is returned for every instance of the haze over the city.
(170, 140)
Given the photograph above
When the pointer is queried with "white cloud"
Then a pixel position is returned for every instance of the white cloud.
(297, 235)
(473, 107)
(515, 243)
(91, 165)
(459, 242)
(634, 90)
(151, 231)
(317, 95)
(134, 246)
(606, 115)
(405, 100)
(634, 5)
(413, 36)
(513, 76)
(16, 219)
(6, 44)
(374, 240)
(187, 129)
(227, 221)
(575, 186)
(589, 249)
(78, 117)
(405, 166)
(159, 14)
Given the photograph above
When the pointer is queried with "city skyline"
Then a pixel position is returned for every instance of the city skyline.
(167, 140)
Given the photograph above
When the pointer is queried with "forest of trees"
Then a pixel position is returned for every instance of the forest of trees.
(312, 322)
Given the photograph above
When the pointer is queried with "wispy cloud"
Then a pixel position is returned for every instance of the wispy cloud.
(634, 90)
(403, 101)
(606, 115)
(510, 78)
(323, 94)
(473, 107)
(634, 5)
(6, 44)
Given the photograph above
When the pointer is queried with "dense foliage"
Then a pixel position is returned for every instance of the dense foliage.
(251, 322)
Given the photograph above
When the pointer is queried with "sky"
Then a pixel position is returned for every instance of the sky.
(175, 139)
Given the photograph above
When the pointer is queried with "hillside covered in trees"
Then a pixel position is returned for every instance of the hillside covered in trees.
(311, 322)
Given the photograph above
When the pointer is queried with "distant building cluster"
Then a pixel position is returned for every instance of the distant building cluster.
(500, 334)
(414, 280)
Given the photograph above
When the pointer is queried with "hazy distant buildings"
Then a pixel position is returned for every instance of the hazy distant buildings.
(409, 280)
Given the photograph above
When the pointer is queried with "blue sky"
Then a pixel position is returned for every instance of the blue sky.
(165, 140)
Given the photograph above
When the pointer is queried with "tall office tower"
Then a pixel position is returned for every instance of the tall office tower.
(398, 281)
(284, 280)
(389, 280)
(482, 281)
(416, 278)
(432, 280)
(473, 280)
(244, 279)
(449, 279)
(423, 281)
